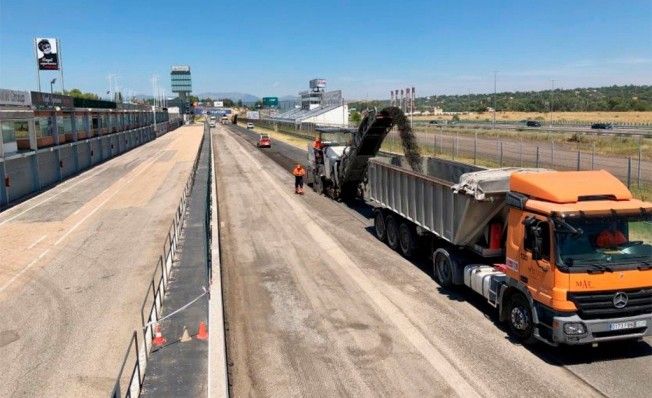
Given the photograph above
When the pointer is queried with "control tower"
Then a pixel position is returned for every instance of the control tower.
(181, 81)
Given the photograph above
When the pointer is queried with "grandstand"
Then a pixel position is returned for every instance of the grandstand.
(318, 106)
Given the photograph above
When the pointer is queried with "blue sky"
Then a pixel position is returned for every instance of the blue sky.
(363, 47)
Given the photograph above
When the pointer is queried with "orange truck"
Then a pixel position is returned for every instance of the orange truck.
(564, 257)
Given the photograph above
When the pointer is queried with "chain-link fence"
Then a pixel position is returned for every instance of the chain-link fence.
(633, 167)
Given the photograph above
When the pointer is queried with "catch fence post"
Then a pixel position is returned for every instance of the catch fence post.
(578, 160)
(520, 154)
(638, 167)
(537, 162)
(593, 156)
(629, 171)
(552, 153)
(475, 149)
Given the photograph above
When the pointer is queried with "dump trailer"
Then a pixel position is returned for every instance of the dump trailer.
(565, 257)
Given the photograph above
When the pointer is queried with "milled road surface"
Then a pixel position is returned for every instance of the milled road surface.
(316, 306)
(75, 265)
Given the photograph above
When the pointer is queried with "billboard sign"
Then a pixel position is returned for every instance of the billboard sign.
(47, 53)
(218, 104)
(17, 98)
(318, 83)
(270, 101)
(44, 100)
(253, 115)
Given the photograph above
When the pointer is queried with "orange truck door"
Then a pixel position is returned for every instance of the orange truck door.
(538, 274)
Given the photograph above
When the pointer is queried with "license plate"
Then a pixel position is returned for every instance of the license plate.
(627, 325)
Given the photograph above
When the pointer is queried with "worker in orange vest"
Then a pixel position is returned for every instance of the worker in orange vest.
(298, 172)
(611, 237)
(317, 148)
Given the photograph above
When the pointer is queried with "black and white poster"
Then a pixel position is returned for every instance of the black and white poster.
(47, 53)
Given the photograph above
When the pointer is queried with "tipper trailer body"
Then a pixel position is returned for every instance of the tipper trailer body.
(525, 239)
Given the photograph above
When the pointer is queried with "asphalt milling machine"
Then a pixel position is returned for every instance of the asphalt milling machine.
(339, 168)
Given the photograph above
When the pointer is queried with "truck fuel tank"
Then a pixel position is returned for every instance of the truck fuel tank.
(484, 279)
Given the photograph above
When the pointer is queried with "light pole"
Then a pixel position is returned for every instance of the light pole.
(52, 115)
(493, 126)
(552, 91)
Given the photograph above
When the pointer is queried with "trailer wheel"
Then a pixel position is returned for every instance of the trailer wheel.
(392, 232)
(442, 268)
(407, 239)
(379, 225)
(519, 319)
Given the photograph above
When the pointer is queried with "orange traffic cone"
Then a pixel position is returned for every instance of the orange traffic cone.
(202, 334)
(158, 339)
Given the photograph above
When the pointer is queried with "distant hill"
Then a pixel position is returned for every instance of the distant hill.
(612, 98)
(234, 96)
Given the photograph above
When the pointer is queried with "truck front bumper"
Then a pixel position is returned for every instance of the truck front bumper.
(574, 330)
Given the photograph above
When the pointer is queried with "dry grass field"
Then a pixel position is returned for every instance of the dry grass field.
(588, 117)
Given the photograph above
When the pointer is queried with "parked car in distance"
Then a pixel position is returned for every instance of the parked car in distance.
(434, 122)
(264, 141)
(533, 123)
(602, 126)
(211, 123)
(250, 125)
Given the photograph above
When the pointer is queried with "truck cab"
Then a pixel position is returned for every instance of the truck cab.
(579, 251)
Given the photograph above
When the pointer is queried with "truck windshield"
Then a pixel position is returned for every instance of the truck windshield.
(605, 242)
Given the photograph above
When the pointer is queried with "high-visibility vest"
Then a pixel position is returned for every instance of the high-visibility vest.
(299, 171)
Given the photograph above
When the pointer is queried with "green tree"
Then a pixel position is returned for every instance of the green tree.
(355, 117)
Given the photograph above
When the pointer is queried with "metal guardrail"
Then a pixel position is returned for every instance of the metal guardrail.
(154, 294)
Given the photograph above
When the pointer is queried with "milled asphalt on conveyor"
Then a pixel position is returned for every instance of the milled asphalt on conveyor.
(619, 369)
(178, 369)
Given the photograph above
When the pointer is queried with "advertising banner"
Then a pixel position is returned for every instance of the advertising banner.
(47, 53)
(44, 100)
(17, 98)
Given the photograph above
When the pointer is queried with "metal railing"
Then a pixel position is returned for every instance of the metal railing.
(631, 167)
(150, 311)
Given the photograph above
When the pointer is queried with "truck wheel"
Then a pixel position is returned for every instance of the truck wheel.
(407, 239)
(379, 225)
(442, 268)
(392, 232)
(519, 318)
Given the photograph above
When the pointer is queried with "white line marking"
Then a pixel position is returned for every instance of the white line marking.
(37, 242)
(98, 169)
(10, 281)
(80, 222)
(46, 200)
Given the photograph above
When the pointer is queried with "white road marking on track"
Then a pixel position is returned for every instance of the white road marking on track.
(80, 222)
(98, 169)
(148, 163)
(456, 380)
(48, 199)
(37, 242)
(22, 271)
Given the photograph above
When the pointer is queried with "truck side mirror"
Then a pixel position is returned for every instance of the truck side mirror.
(537, 249)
